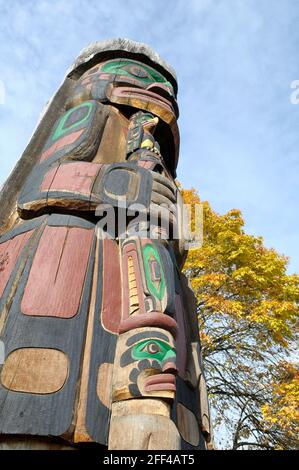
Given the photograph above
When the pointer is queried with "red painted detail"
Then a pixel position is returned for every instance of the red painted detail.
(9, 253)
(86, 81)
(91, 72)
(144, 95)
(111, 302)
(104, 76)
(160, 379)
(48, 178)
(57, 274)
(160, 387)
(155, 270)
(66, 140)
(77, 177)
(181, 340)
(130, 250)
(157, 319)
(96, 76)
(148, 165)
(169, 367)
(155, 87)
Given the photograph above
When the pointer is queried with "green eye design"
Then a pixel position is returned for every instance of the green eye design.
(153, 349)
(137, 71)
(72, 119)
(130, 68)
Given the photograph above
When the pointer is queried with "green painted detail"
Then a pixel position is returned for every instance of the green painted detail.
(137, 70)
(149, 252)
(61, 130)
(144, 118)
(153, 349)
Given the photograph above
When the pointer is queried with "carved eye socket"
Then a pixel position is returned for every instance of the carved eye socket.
(137, 71)
(152, 348)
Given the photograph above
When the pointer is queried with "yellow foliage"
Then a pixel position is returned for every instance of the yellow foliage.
(233, 273)
(248, 312)
(284, 408)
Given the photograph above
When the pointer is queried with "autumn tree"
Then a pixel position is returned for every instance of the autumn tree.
(247, 312)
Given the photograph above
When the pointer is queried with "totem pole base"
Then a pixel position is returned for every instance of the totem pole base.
(33, 443)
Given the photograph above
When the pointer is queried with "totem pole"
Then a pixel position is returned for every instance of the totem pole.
(99, 324)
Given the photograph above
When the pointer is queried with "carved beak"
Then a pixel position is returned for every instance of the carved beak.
(169, 363)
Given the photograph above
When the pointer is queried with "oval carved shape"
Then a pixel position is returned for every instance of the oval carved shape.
(35, 370)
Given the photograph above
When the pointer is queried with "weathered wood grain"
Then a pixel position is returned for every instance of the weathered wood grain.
(80, 432)
(103, 344)
(187, 425)
(35, 370)
(110, 315)
(142, 432)
(104, 384)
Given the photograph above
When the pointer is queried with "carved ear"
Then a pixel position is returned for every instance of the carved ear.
(76, 134)
(124, 184)
(15, 181)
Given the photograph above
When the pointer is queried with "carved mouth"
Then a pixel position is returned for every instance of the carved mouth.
(125, 95)
(160, 382)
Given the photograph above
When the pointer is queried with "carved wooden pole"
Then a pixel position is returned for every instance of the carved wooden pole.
(98, 322)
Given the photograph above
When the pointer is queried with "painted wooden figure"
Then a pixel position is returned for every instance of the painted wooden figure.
(98, 322)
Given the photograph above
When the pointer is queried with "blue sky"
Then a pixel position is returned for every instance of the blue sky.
(235, 61)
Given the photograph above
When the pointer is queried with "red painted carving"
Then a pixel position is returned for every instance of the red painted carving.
(111, 303)
(77, 176)
(160, 382)
(56, 279)
(157, 319)
(9, 253)
(67, 140)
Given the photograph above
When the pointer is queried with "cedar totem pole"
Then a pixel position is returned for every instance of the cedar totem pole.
(100, 329)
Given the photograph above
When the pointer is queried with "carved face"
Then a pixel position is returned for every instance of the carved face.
(130, 70)
(131, 83)
(145, 364)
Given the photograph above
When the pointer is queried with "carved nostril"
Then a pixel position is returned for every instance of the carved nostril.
(169, 367)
